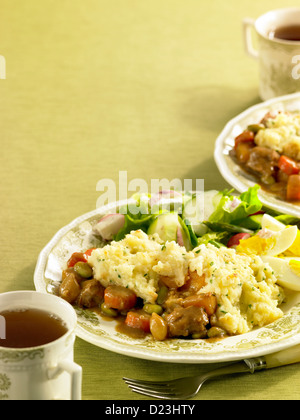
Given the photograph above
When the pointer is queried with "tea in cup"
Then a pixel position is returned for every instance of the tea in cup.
(37, 335)
(278, 50)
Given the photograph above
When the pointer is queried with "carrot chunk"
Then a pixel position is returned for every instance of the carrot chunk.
(119, 297)
(293, 188)
(138, 320)
(288, 166)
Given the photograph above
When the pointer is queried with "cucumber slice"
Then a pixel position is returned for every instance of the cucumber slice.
(253, 222)
(170, 227)
(199, 208)
(165, 225)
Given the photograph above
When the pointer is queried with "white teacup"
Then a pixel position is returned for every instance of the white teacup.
(45, 372)
(279, 59)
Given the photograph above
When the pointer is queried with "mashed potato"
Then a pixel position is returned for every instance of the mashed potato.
(245, 287)
(137, 262)
(282, 134)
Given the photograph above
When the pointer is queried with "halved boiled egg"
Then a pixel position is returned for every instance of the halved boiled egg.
(270, 223)
(283, 240)
(294, 250)
(286, 270)
(268, 242)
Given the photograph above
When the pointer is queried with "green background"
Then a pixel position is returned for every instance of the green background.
(94, 87)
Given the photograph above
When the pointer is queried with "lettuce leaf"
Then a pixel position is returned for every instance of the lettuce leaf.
(218, 239)
(288, 220)
(137, 216)
(234, 209)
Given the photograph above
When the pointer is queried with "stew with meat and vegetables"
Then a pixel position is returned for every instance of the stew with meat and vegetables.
(160, 288)
(270, 151)
(176, 313)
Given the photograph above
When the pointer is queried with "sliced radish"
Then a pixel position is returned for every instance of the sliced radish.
(109, 226)
(179, 236)
(235, 239)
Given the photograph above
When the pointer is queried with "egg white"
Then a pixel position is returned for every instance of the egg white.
(282, 271)
(270, 223)
(283, 240)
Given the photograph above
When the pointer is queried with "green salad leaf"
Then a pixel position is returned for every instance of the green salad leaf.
(230, 214)
(288, 220)
(218, 239)
(234, 210)
(137, 215)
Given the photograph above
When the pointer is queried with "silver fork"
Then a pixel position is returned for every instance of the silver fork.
(188, 387)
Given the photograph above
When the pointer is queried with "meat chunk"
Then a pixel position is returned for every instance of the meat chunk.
(174, 300)
(69, 288)
(263, 162)
(91, 294)
(193, 282)
(207, 301)
(183, 322)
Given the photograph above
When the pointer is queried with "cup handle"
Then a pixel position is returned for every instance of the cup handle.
(248, 25)
(75, 372)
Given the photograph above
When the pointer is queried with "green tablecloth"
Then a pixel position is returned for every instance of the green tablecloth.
(94, 87)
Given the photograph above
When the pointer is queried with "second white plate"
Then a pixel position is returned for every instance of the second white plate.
(232, 172)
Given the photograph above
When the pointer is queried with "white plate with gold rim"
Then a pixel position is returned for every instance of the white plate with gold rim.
(77, 236)
(231, 171)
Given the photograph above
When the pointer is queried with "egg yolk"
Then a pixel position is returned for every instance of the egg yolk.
(294, 250)
(295, 266)
(255, 245)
